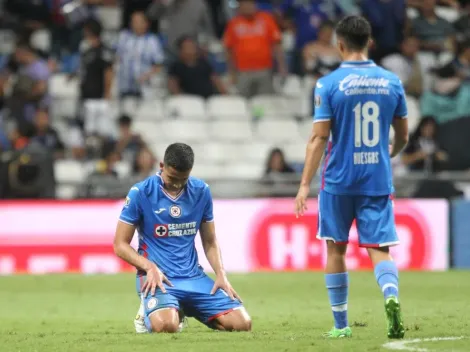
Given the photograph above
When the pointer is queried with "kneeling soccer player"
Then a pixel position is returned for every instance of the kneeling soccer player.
(168, 210)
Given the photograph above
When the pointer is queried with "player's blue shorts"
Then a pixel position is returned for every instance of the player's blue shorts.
(373, 214)
(192, 296)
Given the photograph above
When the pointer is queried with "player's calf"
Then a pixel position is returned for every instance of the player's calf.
(236, 320)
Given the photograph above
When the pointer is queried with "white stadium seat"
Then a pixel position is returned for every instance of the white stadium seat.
(110, 17)
(235, 131)
(426, 61)
(123, 169)
(207, 171)
(184, 131)
(278, 131)
(414, 114)
(151, 131)
(41, 39)
(65, 191)
(305, 129)
(292, 86)
(256, 152)
(448, 13)
(222, 106)
(150, 110)
(60, 86)
(186, 106)
(295, 152)
(69, 171)
(244, 171)
(220, 153)
(272, 106)
(7, 41)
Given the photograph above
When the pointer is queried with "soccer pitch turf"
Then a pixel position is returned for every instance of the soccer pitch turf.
(69, 313)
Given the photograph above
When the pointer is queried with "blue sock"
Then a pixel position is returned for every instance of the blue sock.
(337, 285)
(386, 274)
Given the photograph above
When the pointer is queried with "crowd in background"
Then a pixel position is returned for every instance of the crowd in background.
(166, 47)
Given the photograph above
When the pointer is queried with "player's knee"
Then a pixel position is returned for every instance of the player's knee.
(235, 321)
(164, 322)
(165, 327)
(243, 325)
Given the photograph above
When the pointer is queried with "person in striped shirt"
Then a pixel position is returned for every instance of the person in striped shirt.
(139, 57)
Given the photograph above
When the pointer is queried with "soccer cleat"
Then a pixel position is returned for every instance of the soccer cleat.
(396, 329)
(335, 333)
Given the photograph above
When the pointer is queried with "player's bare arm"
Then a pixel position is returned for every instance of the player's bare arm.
(315, 148)
(213, 254)
(123, 249)
(400, 125)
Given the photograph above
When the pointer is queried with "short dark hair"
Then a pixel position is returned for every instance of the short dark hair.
(94, 27)
(179, 156)
(355, 31)
(124, 121)
(183, 39)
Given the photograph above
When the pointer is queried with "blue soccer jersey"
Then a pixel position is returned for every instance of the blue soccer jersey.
(361, 100)
(167, 225)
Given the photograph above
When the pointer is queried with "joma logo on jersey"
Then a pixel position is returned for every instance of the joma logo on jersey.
(355, 80)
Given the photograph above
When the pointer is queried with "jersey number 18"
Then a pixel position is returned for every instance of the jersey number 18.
(366, 116)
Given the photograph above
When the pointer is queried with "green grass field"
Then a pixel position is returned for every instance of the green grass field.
(69, 313)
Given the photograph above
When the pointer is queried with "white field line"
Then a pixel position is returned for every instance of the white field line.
(402, 345)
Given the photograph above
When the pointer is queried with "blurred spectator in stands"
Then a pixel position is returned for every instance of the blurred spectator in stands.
(251, 39)
(183, 17)
(276, 163)
(144, 164)
(387, 18)
(139, 56)
(219, 15)
(321, 56)
(131, 6)
(462, 26)
(96, 75)
(192, 73)
(107, 165)
(46, 135)
(306, 18)
(129, 143)
(434, 32)
(407, 66)
(422, 152)
(462, 61)
(30, 90)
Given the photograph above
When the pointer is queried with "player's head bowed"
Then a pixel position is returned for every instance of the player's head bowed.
(177, 165)
(354, 35)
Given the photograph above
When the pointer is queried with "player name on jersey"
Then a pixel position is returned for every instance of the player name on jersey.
(363, 158)
(175, 230)
(355, 84)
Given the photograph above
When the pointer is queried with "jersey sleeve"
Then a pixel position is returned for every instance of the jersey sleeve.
(131, 213)
(208, 215)
(323, 111)
(401, 109)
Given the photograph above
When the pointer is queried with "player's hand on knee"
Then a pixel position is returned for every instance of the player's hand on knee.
(155, 278)
(223, 283)
(301, 200)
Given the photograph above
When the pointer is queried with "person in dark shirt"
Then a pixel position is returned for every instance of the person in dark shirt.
(46, 135)
(96, 62)
(192, 73)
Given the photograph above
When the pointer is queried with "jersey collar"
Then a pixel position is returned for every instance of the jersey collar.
(357, 64)
(173, 198)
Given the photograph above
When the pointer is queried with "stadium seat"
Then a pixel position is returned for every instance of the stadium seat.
(64, 108)
(151, 131)
(69, 171)
(184, 131)
(234, 131)
(110, 17)
(41, 39)
(271, 106)
(295, 152)
(278, 131)
(411, 13)
(427, 61)
(7, 41)
(207, 171)
(448, 13)
(256, 152)
(220, 153)
(244, 171)
(185, 106)
(305, 129)
(150, 110)
(414, 114)
(123, 169)
(292, 86)
(65, 192)
(61, 86)
(223, 106)
(128, 106)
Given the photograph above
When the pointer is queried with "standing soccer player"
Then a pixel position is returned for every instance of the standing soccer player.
(354, 108)
(168, 210)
